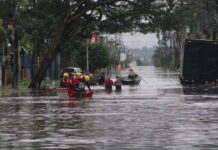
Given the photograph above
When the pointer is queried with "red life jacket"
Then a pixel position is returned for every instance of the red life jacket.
(74, 82)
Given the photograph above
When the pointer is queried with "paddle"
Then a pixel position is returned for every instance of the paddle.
(144, 80)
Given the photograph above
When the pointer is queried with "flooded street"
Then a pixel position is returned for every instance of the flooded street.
(158, 114)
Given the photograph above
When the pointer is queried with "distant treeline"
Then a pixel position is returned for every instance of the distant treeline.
(187, 19)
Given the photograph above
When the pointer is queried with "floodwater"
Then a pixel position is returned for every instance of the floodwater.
(158, 114)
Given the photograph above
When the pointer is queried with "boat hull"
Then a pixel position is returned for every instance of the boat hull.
(62, 91)
(73, 94)
(127, 81)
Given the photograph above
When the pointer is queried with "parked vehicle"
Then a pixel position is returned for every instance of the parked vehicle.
(70, 70)
(199, 62)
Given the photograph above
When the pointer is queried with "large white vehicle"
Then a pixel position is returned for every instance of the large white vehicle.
(71, 70)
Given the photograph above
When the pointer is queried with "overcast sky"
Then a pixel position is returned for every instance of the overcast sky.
(139, 40)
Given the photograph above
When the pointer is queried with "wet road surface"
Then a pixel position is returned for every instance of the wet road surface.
(158, 114)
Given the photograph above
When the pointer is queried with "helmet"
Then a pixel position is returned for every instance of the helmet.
(87, 78)
(82, 78)
(78, 74)
(66, 74)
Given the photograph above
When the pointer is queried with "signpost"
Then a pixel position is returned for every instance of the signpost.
(122, 57)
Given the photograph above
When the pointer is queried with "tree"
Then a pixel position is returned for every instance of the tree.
(98, 56)
(3, 35)
(178, 16)
(48, 26)
(199, 17)
(72, 19)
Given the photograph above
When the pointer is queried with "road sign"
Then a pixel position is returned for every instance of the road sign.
(122, 57)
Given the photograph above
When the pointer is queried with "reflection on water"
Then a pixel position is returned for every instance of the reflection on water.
(200, 89)
(158, 114)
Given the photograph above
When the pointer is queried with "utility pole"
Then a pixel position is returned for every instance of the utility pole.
(87, 55)
(3, 65)
(15, 49)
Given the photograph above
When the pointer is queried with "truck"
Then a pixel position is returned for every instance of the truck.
(199, 62)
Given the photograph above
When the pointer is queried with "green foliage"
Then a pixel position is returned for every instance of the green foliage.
(114, 60)
(198, 16)
(7, 9)
(3, 36)
(23, 83)
(98, 56)
(47, 27)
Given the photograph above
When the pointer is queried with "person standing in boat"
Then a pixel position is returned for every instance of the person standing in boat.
(108, 84)
(132, 74)
(118, 83)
